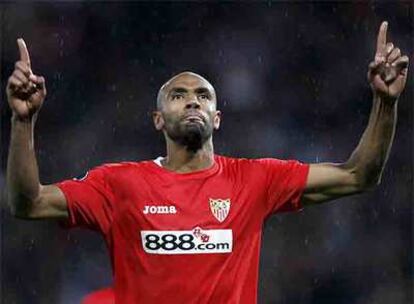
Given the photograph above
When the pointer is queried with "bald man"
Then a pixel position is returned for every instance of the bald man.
(186, 228)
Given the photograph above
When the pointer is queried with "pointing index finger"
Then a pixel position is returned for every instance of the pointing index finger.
(24, 53)
(382, 39)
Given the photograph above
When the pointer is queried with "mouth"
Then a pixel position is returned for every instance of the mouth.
(193, 117)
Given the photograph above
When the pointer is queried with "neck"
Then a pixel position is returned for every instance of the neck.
(182, 160)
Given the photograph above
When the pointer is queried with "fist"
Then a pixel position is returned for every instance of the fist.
(387, 74)
(25, 91)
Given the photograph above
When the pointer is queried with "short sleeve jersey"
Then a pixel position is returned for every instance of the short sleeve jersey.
(185, 238)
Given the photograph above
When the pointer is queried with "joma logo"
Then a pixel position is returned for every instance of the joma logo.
(159, 210)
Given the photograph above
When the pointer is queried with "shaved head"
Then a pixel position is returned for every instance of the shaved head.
(184, 76)
(187, 110)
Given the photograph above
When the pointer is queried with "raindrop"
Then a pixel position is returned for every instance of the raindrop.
(114, 88)
(31, 244)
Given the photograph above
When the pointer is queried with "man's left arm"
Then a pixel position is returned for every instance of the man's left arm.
(387, 75)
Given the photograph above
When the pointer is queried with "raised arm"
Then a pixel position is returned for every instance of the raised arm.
(26, 196)
(387, 75)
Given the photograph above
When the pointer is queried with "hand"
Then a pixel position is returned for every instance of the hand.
(387, 74)
(25, 91)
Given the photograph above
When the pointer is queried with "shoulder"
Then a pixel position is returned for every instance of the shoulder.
(252, 165)
(109, 170)
(125, 165)
(230, 162)
(249, 162)
(240, 165)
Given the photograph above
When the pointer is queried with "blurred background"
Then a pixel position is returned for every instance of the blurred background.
(291, 82)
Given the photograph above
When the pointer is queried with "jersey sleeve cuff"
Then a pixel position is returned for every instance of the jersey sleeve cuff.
(70, 220)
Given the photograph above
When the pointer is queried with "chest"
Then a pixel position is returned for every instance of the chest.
(187, 217)
(181, 204)
(215, 203)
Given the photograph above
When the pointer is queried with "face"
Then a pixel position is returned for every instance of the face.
(187, 110)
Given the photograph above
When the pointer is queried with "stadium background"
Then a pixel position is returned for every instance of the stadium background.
(291, 82)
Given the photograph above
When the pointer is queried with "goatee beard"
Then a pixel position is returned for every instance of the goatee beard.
(192, 138)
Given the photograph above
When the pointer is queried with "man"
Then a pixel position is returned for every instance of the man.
(186, 228)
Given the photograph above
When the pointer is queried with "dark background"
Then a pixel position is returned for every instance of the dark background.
(291, 82)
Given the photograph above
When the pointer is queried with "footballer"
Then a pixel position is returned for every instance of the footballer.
(186, 227)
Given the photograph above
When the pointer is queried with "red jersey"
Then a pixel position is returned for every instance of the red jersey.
(185, 238)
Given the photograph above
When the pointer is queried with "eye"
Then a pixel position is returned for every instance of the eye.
(203, 97)
(177, 96)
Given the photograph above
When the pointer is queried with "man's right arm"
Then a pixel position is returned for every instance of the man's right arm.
(27, 198)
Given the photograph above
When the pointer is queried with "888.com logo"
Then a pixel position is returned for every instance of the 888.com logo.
(196, 241)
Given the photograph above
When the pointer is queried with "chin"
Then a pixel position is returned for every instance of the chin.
(191, 134)
(194, 127)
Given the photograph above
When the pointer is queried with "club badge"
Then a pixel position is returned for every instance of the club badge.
(220, 208)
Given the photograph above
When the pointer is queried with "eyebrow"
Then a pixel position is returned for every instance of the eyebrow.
(183, 90)
(178, 90)
(202, 90)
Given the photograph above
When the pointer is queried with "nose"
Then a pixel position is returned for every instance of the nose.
(192, 103)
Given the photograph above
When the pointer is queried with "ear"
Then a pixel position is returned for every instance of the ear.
(158, 120)
(217, 120)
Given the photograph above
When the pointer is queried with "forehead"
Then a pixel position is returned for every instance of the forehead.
(188, 81)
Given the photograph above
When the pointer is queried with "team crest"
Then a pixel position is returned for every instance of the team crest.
(220, 208)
